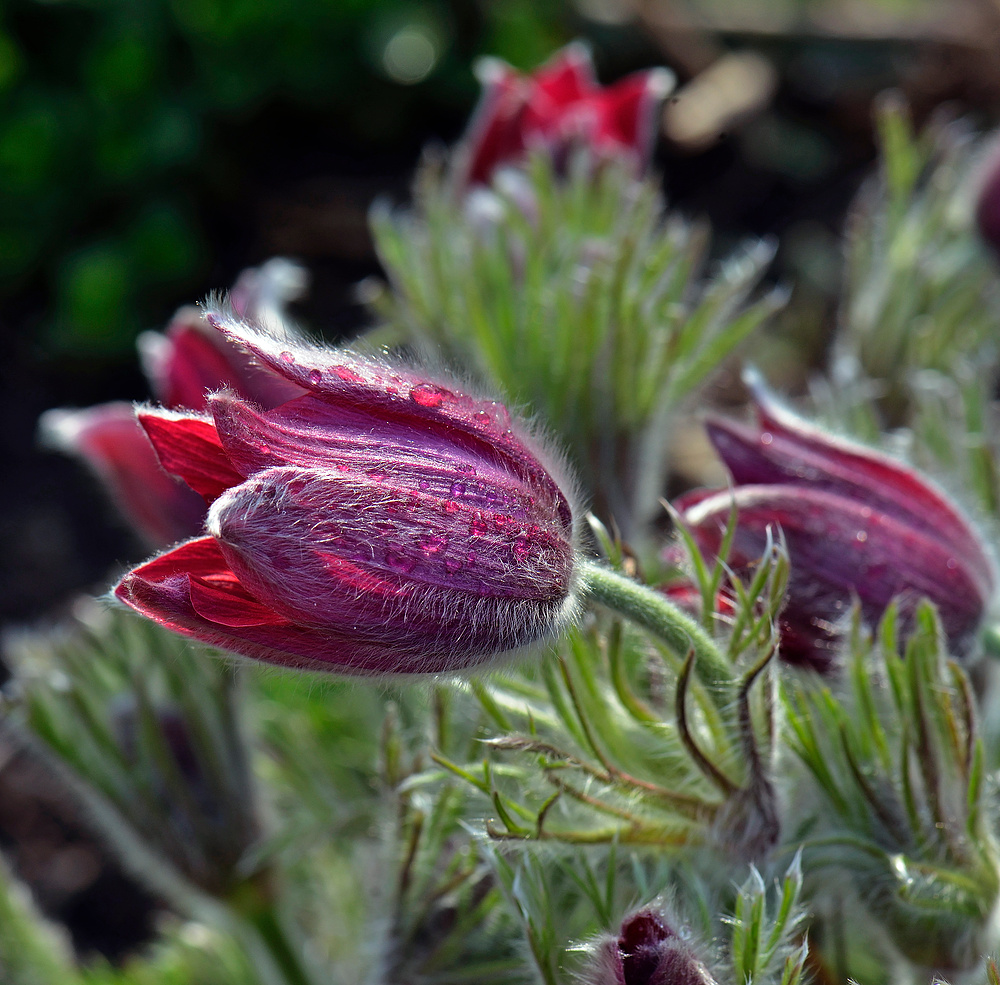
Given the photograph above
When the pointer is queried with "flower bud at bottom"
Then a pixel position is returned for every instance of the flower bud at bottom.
(647, 951)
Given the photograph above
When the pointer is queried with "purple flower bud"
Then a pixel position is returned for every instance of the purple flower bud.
(192, 358)
(988, 196)
(858, 525)
(183, 364)
(647, 951)
(383, 522)
(160, 508)
(558, 107)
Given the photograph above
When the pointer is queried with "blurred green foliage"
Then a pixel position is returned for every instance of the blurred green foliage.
(127, 128)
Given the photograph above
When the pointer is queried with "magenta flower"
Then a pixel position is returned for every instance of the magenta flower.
(382, 522)
(857, 524)
(988, 196)
(107, 437)
(647, 951)
(559, 107)
(183, 364)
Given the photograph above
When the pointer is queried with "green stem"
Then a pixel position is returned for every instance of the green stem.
(254, 901)
(654, 612)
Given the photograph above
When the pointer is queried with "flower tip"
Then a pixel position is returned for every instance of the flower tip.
(660, 82)
(489, 70)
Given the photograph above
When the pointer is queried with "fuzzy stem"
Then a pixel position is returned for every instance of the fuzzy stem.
(654, 612)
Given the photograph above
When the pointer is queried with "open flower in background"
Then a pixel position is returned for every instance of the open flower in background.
(381, 522)
(558, 108)
(183, 364)
(857, 524)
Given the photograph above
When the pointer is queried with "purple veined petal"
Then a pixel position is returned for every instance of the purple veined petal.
(350, 556)
(401, 397)
(785, 449)
(311, 433)
(841, 549)
(191, 590)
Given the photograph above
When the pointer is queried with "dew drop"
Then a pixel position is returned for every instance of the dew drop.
(481, 417)
(861, 536)
(458, 489)
(424, 485)
(348, 375)
(429, 395)
(433, 543)
(952, 564)
(286, 357)
(451, 566)
(315, 377)
(465, 470)
(766, 438)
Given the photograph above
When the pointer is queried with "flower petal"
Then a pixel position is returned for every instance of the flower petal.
(190, 590)
(355, 556)
(188, 446)
(109, 439)
(841, 548)
(443, 416)
(786, 450)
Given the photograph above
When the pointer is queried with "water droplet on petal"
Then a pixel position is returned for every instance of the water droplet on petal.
(264, 449)
(458, 489)
(348, 375)
(433, 543)
(451, 566)
(315, 377)
(424, 485)
(481, 417)
(429, 395)
(286, 357)
(465, 470)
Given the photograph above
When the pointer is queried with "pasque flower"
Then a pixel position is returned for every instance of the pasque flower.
(381, 522)
(987, 202)
(185, 363)
(857, 524)
(647, 951)
(559, 107)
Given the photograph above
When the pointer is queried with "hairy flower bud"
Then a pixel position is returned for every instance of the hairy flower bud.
(160, 508)
(647, 951)
(987, 203)
(382, 522)
(857, 524)
(557, 108)
(184, 364)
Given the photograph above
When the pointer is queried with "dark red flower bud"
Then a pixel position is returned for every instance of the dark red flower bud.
(647, 951)
(383, 522)
(857, 524)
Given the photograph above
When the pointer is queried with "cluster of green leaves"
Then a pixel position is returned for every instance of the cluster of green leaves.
(921, 297)
(904, 806)
(577, 296)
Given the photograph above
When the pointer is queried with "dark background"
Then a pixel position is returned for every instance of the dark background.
(151, 149)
